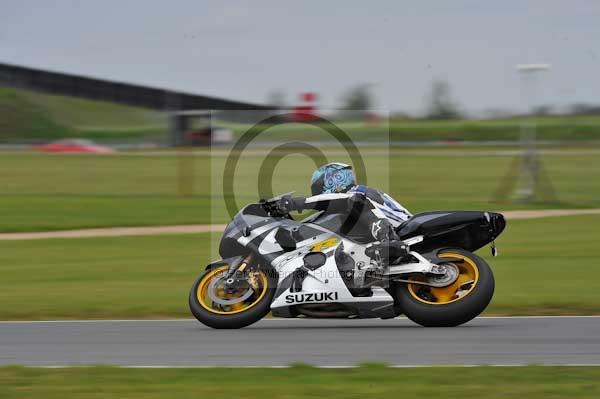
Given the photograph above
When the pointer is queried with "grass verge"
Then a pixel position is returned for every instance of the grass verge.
(546, 267)
(53, 192)
(301, 382)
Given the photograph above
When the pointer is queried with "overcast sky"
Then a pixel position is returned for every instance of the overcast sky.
(243, 49)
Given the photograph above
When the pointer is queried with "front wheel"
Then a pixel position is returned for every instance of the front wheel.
(454, 304)
(219, 306)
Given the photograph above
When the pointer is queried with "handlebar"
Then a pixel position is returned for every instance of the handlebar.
(276, 206)
(271, 207)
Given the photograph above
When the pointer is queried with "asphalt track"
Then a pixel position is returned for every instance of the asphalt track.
(494, 341)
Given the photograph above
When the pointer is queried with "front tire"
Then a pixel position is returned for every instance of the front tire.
(240, 309)
(455, 304)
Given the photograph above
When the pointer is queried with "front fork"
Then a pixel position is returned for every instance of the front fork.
(235, 274)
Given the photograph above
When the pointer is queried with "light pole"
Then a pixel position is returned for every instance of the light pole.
(529, 159)
(526, 171)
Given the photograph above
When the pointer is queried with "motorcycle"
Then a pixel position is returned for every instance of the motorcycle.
(273, 263)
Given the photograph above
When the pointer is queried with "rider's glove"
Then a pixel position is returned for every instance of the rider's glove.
(287, 204)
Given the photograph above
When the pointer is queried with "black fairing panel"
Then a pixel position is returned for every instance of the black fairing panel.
(252, 217)
(249, 217)
(470, 230)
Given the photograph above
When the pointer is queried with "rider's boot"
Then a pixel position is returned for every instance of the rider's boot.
(387, 251)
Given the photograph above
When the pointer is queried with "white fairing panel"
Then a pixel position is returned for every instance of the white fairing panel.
(323, 285)
(269, 244)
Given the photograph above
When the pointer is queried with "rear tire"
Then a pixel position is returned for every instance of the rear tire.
(241, 319)
(453, 312)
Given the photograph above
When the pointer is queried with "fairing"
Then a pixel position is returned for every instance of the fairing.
(470, 230)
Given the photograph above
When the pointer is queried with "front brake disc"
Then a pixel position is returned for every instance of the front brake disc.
(214, 296)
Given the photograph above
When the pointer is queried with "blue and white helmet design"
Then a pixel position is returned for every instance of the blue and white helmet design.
(333, 177)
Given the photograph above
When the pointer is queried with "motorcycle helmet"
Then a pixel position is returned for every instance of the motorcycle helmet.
(334, 177)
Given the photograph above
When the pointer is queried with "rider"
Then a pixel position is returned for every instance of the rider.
(371, 212)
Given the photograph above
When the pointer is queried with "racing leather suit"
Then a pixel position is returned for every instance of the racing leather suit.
(370, 215)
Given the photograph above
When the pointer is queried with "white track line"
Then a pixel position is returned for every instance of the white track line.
(396, 366)
(263, 320)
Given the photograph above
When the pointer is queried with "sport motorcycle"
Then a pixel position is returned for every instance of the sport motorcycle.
(315, 268)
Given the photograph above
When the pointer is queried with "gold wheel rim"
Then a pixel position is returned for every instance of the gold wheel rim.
(205, 301)
(469, 275)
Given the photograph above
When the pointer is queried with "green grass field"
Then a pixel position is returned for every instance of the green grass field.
(301, 382)
(547, 266)
(29, 116)
(25, 115)
(562, 128)
(51, 192)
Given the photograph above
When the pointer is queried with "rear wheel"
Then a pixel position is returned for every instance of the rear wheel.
(462, 300)
(217, 305)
